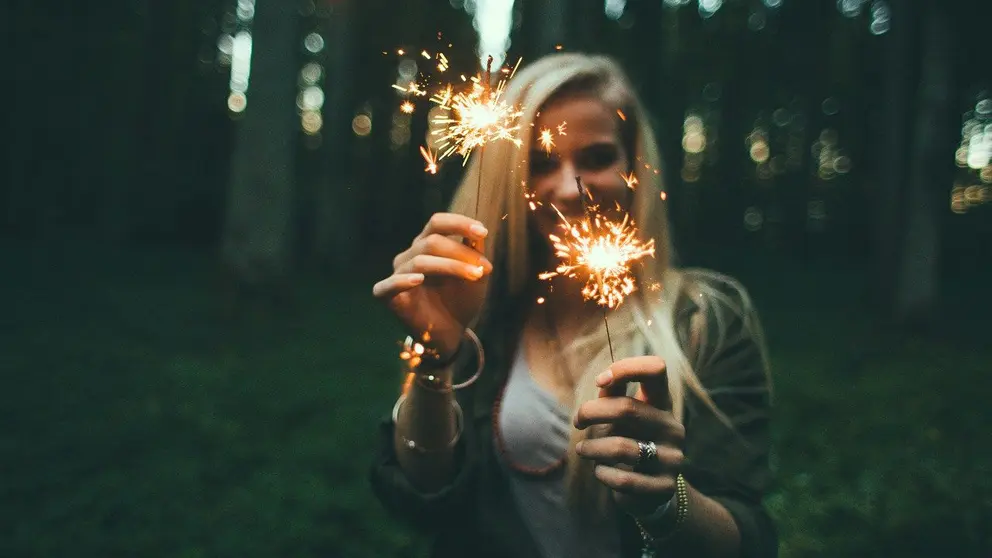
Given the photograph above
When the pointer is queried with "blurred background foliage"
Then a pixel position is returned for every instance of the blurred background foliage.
(200, 195)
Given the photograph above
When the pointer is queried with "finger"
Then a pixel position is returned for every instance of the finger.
(634, 483)
(454, 224)
(619, 450)
(630, 417)
(649, 371)
(396, 284)
(477, 245)
(438, 266)
(445, 247)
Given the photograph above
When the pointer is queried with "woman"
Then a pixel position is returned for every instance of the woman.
(555, 451)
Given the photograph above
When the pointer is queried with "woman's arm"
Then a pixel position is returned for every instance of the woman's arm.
(425, 427)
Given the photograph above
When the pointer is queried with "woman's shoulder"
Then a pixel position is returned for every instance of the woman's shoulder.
(717, 319)
(712, 295)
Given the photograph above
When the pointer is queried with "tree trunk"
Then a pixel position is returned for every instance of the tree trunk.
(545, 26)
(334, 241)
(916, 288)
(893, 168)
(256, 239)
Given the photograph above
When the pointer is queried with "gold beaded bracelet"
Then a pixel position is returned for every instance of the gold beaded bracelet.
(681, 515)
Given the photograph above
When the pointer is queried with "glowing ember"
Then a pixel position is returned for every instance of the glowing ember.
(600, 252)
(430, 158)
(630, 179)
(407, 107)
(547, 142)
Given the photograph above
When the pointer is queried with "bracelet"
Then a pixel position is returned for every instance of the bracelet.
(681, 514)
(414, 352)
(410, 444)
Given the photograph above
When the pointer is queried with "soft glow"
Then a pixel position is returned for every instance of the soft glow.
(600, 252)
(709, 7)
(314, 43)
(361, 125)
(311, 122)
(240, 62)
(237, 102)
(493, 20)
(311, 73)
(614, 8)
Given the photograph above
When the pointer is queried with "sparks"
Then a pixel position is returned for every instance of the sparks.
(413, 352)
(430, 158)
(601, 252)
(630, 179)
(561, 128)
(476, 116)
(621, 115)
(407, 107)
(547, 142)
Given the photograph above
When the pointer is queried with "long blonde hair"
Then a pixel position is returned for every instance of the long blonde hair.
(648, 318)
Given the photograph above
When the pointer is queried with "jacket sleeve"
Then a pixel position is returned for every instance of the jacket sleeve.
(729, 463)
(424, 511)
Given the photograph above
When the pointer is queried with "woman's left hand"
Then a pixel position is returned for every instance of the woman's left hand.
(638, 488)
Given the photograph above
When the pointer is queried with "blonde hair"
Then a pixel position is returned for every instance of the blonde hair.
(645, 319)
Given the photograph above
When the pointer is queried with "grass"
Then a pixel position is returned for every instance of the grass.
(142, 420)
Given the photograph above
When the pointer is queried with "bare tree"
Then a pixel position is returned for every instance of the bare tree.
(258, 229)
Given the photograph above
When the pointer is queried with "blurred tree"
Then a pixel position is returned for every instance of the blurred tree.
(256, 237)
(915, 165)
(335, 201)
(929, 172)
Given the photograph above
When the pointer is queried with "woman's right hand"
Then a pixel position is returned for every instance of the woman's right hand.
(439, 283)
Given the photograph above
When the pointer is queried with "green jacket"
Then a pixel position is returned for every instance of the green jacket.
(475, 516)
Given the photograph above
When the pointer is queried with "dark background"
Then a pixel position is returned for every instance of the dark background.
(191, 360)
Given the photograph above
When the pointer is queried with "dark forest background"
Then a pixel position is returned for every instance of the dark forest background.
(191, 360)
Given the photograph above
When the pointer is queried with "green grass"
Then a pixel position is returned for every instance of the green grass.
(142, 419)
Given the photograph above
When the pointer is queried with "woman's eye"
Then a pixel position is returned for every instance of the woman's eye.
(542, 164)
(598, 157)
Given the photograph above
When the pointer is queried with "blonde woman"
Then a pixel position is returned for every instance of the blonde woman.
(555, 452)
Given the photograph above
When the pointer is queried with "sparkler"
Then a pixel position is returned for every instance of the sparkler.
(469, 118)
(601, 252)
(474, 118)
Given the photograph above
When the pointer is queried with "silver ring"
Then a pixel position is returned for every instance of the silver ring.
(646, 453)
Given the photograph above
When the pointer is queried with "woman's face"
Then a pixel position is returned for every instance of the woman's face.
(590, 149)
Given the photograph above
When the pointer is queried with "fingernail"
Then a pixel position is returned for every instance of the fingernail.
(478, 230)
(478, 271)
(484, 263)
(417, 279)
(578, 447)
(605, 378)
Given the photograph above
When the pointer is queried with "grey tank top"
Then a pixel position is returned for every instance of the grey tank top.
(535, 428)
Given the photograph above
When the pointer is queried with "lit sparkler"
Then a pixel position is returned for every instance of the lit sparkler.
(600, 252)
(475, 117)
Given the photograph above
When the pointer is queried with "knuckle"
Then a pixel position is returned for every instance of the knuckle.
(432, 243)
(628, 408)
(624, 480)
(621, 448)
(419, 261)
(436, 220)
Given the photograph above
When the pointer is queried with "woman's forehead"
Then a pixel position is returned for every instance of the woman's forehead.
(577, 116)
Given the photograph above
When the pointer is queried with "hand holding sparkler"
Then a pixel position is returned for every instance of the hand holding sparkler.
(438, 284)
